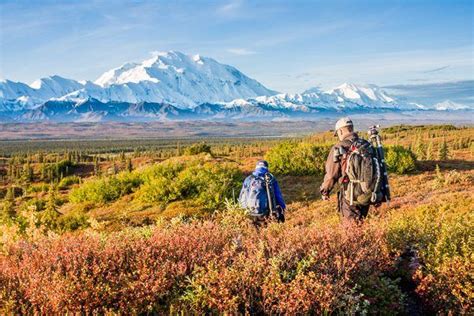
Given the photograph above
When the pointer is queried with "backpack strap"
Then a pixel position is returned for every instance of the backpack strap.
(378, 174)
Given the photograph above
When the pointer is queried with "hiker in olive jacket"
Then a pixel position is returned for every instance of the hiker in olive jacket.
(344, 129)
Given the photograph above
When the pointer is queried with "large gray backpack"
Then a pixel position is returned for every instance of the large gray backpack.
(362, 174)
(255, 196)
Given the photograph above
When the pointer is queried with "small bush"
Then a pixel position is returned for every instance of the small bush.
(292, 158)
(204, 181)
(196, 149)
(400, 160)
(417, 128)
(72, 221)
(38, 187)
(105, 190)
(208, 183)
(68, 182)
(442, 235)
(450, 178)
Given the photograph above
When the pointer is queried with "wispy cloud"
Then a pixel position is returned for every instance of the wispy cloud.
(432, 93)
(241, 51)
(435, 70)
(275, 37)
(384, 68)
(230, 7)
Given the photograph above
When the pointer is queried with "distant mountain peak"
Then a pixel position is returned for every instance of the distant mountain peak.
(450, 105)
(55, 80)
(176, 78)
(360, 93)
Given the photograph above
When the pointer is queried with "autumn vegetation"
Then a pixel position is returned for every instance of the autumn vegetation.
(159, 231)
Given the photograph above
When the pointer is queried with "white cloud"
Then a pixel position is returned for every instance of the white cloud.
(241, 51)
(230, 7)
(379, 68)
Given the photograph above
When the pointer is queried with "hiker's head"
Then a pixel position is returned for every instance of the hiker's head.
(344, 126)
(261, 164)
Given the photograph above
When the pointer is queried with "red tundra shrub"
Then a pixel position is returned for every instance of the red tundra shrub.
(289, 270)
(207, 267)
(449, 288)
(121, 272)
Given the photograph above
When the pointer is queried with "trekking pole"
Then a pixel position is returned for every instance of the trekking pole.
(269, 193)
(377, 142)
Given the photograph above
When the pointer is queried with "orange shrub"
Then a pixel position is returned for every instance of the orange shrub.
(203, 267)
(278, 271)
(121, 272)
(449, 288)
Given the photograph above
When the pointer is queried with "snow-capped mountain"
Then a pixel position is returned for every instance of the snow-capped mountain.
(19, 94)
(173, 85)
(170, 77)
(343, 97)
(366, 95)
(450, 105)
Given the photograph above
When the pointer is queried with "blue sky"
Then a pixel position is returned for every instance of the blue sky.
(287, 45)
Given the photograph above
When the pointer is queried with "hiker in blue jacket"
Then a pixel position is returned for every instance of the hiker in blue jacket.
(261, 194)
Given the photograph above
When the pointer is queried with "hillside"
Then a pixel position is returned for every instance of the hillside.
(156, 229)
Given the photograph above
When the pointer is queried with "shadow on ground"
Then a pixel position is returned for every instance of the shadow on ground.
(300, 188)
(455, 164)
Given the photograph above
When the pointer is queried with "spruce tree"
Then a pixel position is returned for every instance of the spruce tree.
(50, 215)
(96, 167)
(178, 149)
(27, 173)
(43, 171)
(419, 148)
(429, 151)
(8, 210)
(129, 165)
(443, 152)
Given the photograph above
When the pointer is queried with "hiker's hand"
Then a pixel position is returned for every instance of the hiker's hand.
(280, 214)
(324, 194)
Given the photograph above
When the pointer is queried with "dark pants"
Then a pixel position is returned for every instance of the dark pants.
(259, 221)
(352, 212)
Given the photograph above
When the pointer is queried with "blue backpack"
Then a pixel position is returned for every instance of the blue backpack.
(255, 197)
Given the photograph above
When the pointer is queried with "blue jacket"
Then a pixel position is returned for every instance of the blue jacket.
(260, 172)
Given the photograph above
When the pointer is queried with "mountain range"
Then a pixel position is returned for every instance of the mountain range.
(176, 86)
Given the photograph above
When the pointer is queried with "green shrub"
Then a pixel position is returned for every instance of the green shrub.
(58, 169)
(418, 128)
(105, 190)
(208, 183)
(196, 149)
(158, 182)
(297, 158)
(399, 159)
(38, 187)
(167, 169)
(73, 221)
(157, 190)
(292, 158)
(441, 233)
(68, 181)
(35, 205)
